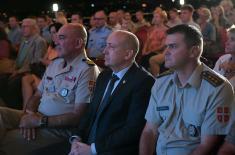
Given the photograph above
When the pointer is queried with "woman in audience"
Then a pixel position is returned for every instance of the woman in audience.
(155, 42)
(226, 63)
(31, 81)
(221, 24)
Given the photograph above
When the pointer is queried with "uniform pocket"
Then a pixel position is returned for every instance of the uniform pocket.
(192, 123)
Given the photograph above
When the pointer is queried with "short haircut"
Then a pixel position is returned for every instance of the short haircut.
(32, 22)
(130, 40)
(192, 35)
(79, 14)
(42, 17)
(174, 10)
(188, 7)
(79, 30)
(13, 16)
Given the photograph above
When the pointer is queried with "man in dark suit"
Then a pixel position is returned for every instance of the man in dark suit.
(116, 115)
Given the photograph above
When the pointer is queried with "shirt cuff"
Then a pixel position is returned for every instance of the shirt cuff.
(93, 149)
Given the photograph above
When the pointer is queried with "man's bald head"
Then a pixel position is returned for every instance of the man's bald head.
(76, 30)
(128, 40)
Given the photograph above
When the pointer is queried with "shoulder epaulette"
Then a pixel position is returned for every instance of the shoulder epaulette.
(212, 78)
(168, 72)
(89, 62)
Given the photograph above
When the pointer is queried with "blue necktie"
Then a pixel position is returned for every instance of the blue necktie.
(104, 102)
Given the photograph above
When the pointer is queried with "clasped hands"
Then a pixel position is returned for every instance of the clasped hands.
(28, 124)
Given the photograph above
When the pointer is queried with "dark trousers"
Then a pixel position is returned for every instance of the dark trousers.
(10, 90)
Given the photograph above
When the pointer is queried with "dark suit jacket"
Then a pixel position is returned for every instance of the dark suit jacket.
(122, 120)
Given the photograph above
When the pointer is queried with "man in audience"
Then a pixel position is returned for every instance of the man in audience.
(98, 35)
(120, 15)
(186, 15)
(113, 21)
(77, 18)
(32, 49)
(173, 18)
(140, 20)
(14, 34)
(189, 109)
(61, 99)
(116, 115)
(44, 28)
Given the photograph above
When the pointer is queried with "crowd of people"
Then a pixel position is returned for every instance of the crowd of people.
(118, 85)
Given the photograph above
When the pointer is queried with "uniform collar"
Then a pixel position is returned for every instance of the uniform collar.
(30, 39)
(71, 65)
(194, 80)
(100, 29)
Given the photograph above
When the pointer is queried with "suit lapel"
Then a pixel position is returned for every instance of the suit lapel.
(102, 90)
(124, 81)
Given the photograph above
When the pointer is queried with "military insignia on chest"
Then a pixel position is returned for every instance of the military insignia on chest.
(64, 92)
(193, 131)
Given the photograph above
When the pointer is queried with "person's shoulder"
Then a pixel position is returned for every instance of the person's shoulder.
(165, 74)
(88, 62)
(56, 61)
(40, 40)
(107, 28)
(224, 57)
(213, 78)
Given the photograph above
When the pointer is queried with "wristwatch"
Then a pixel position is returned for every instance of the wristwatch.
(44, 121)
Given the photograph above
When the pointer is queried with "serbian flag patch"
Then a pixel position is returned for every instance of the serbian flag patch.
(223, 114)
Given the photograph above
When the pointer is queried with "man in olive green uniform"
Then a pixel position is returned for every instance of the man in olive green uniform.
(189, 109)
(62, 97)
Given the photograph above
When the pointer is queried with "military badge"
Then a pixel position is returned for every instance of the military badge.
(192, 130)
(64, 92)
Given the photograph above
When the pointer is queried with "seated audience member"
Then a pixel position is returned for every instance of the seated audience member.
(32, 49)
(154, 44)
(76, 17)
(229, 10)
(31, 81)
(186, 15)
(113, 21)
(117, 92)
(44, 28)
(221, 24)
(179, 120)
(61, 99)
(98, 36)
(125, 90)
(6, 54)
(140, 20)
(15, 33)
(225, 65)
(173, 18)
(207, 29)
(61, 18)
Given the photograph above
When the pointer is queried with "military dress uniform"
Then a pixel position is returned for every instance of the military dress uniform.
(97, 40)
(185, 114)
(63, 87)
